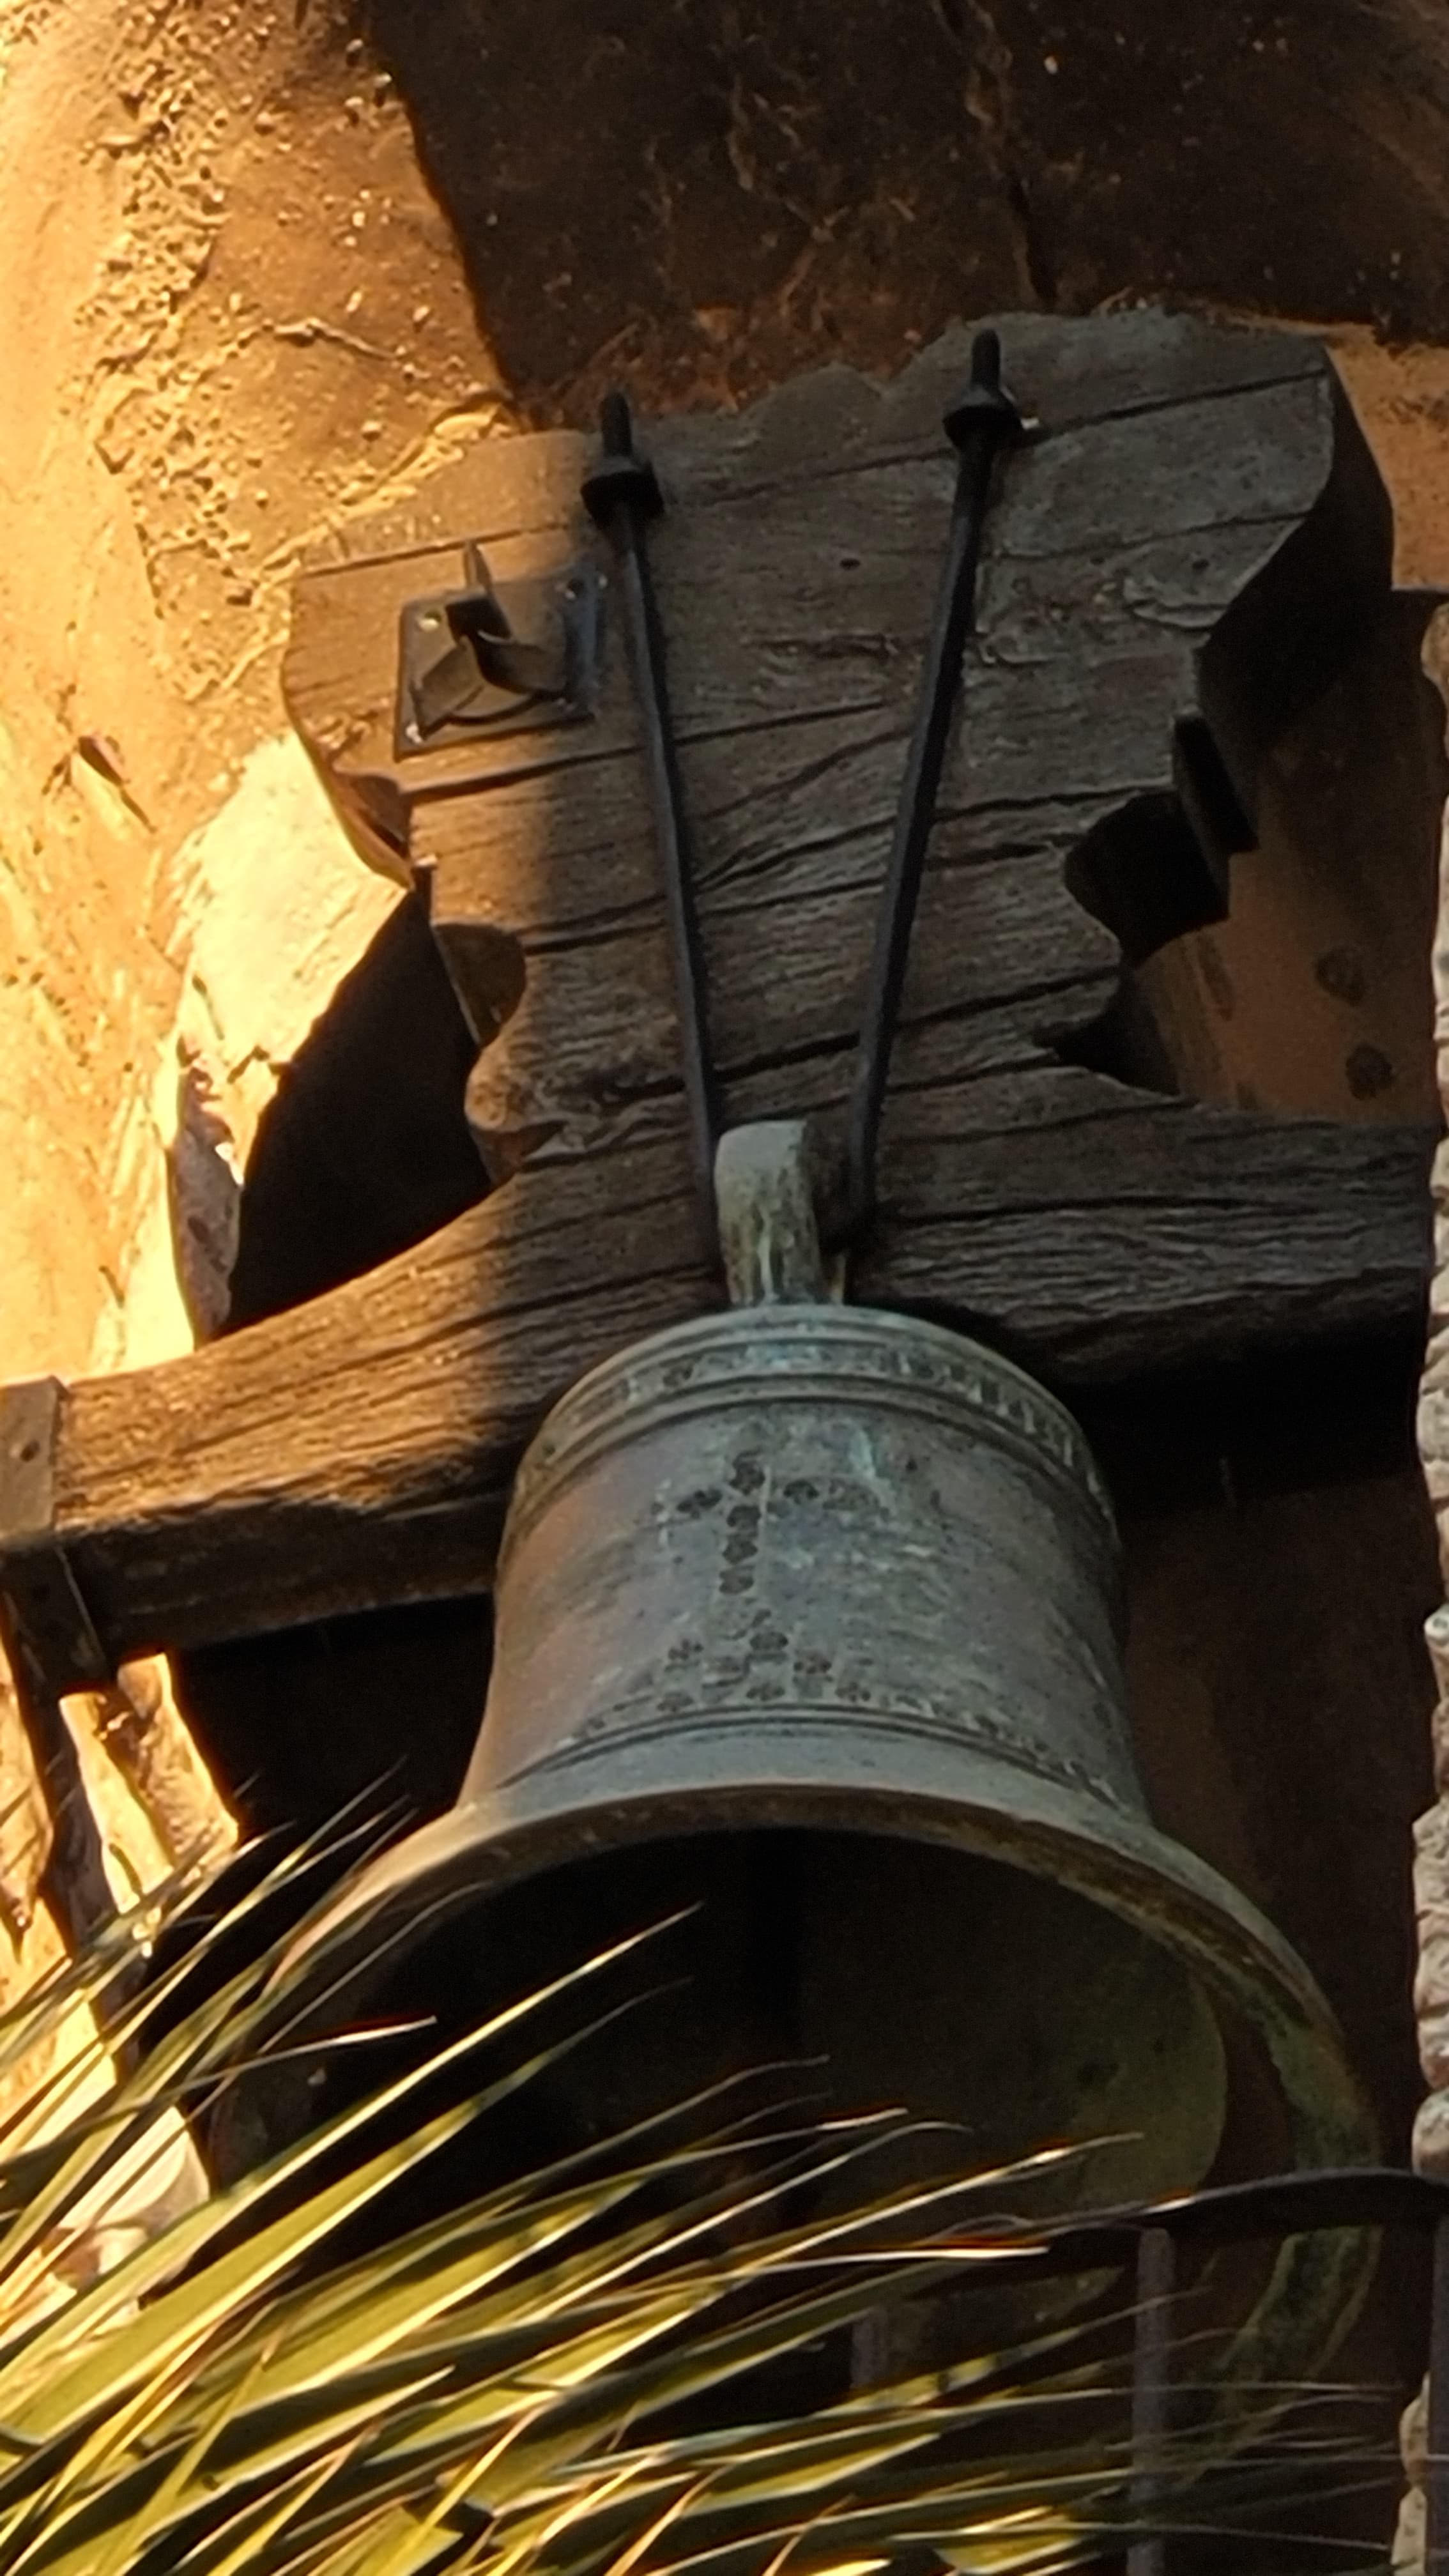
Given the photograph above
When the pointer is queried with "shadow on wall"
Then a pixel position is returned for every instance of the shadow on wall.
(364, 1152)
(705, 198)
(365, 1149)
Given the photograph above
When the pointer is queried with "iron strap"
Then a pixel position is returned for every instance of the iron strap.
(622, 495)
(980, 427)
(53, 1648)
(45, 1614)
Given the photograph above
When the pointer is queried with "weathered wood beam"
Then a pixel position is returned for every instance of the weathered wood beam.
(1195, 539)
(359, 1451)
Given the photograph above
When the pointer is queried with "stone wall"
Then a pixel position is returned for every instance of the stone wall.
(229, 314)
(1431, 1858)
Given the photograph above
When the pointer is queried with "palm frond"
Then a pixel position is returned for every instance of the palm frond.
(568, 2377)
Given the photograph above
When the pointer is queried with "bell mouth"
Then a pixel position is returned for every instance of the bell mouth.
(1005, 1977)
(850, 1974)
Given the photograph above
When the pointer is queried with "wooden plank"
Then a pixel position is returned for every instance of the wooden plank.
(358, 1451)
(1198, 527)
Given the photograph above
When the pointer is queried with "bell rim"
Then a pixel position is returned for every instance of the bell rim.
(1240, 1960)
(607, 1407)
(1031, 1823)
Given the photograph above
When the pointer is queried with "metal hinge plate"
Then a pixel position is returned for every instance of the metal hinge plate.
(498, 658)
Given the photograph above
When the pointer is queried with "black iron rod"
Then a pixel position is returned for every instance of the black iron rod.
(1151, 2392)
(1298, 2204)
(622, 495)
(980, 427)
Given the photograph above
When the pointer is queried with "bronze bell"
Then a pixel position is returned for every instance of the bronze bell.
(809, 1619)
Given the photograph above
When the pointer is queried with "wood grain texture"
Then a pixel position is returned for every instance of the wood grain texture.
(1197, 534)
(359, 1450)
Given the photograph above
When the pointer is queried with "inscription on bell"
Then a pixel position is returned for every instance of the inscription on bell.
(814, 1516)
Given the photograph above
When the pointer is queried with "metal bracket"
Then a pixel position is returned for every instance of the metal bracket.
(765, 1192)
(46, 1620)
(497, 658)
